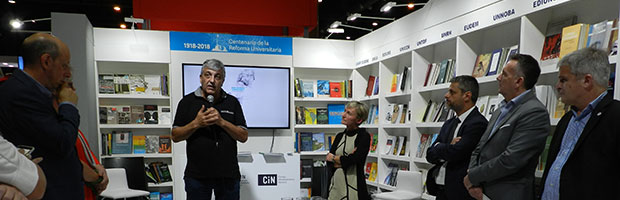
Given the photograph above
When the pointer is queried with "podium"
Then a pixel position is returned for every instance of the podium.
(269, 176)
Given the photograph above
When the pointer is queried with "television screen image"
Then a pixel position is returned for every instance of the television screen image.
(262, 91)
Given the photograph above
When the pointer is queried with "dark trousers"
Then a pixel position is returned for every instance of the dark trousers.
(225, 189)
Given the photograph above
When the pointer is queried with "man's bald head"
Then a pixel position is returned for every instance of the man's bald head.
(38, 44)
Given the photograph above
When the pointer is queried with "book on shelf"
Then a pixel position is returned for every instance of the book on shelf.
(153, 84)
(613, 40)
(154, 196)
(335, 89)
(376, 87)
(404, 149)
(124, 114)
(404, 78)
(481, 66)
(403, 117)
(391, 177)
(370, 85)
(300, 115)
(599, 35)
(308, 87)
(422, 146)
(373, 172)
(443, 71)
(494, 62)
(396, 112)
(106, 83)
(335, 113)
(137, 84)
(165, 116)
(151, 144)
(394, 83)
(310, 115)
(349, 88)
(306, 168)
(305, 141)
(150, 114)
(165, 196)
(428, 73)
(511, 51)
(367, 170)
(121, 84)
(330, 142)
(389, 144)
(573, 38)
(426, 110)
(482, 104)
(374, 138)
(493, 104)
(103, 115)
(371, 111)
(318, 142)
(322, 88)
(551, 47)
(297, 87)
(137, 114)
(322, 116)
(165, 144)
(397, 141)
(139, 144)
(121, 142)
(389, 112)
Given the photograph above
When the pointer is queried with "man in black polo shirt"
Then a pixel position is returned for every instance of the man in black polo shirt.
(212, 122)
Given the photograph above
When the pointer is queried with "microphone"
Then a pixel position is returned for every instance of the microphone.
(210, 100)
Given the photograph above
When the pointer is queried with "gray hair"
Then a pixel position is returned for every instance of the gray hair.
(214, 64)
(361, 110)
(467, 84)
(588, 61)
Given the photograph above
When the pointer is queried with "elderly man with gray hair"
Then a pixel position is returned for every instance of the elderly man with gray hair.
(584, 154)
(211, 121)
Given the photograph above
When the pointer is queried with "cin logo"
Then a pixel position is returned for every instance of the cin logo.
(267, 179)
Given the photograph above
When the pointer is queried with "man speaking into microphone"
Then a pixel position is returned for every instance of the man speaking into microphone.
(212, 122)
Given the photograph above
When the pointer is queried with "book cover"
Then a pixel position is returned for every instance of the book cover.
(306, 168)
(335, 113)
(367, 170)
(396, 112)
(343, 89)
(551, 48)
(139, 144)
(370, 85)
(297, 87)
(443, 70)
(422, 146)
(389, 145)
(165, 172)
(310, 115)
(318, 142)
(103, 115)
(482, 103)
(494, 62)
(335, 89)
(153, 84)
(112, 115)
(373, 142)
(322, 88)
(137, 84)
(306, 141)
(376, 87)
(394, 83)
(403, 113)
(613, 39)
(427, 110)
(106, 83)
(150, 114)
(165, 116)
(124, 114)
(322, 116)
(151, 144)
(121, 84)
(121, 143)
(404, 78)
(511, 51)
(308, 88)
(300, 116)
(389, 111)
(373, 172)
(570, 39)
(165, 196)
(428, 72)
(404, 150)
(154, 196)
(482, 65)
(165, 144)
(598, 35)
(397, 145)
(137, 114)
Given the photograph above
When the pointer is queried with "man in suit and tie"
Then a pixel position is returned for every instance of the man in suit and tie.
(457, 139)
(584, 154)
(27, 115)
(503, 164)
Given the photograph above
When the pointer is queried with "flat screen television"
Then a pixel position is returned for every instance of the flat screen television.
(262, 91)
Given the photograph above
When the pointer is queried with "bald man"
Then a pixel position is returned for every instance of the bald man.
(27, 115)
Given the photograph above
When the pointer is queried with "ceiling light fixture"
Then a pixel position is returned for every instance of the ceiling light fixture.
(337, 24)
(11, 1)
(117, 8)
(348, 38)
(391, 4)
(17, 23)
(375, 24)
(123, 26)
(335, 30)
(358, 15)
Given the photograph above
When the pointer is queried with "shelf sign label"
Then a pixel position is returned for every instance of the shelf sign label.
(387, 53)
(375, 58)
(227, 43)
(446, 34)
(538, 3)
(471, 26)
(405, 48)
(267, 180)
(503, 14)
(421, 42)
(362, 62)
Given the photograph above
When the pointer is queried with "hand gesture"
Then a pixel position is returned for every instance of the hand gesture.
(67, 93)
(104, 183)
(201, 117)
(213, 117)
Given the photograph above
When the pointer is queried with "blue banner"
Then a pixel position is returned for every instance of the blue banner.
(226, 43)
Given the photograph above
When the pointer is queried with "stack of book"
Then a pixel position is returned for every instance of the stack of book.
(323, 88)
(137, 84)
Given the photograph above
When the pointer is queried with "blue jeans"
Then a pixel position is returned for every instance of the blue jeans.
(225, 189)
